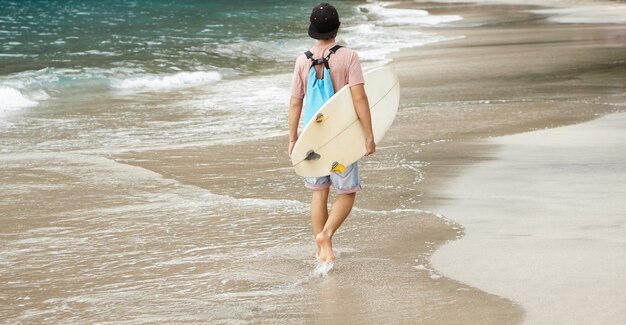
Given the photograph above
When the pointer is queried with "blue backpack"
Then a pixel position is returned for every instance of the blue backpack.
(318, 91)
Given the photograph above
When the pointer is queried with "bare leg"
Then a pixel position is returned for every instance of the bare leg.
(340, 211)
(319, 213)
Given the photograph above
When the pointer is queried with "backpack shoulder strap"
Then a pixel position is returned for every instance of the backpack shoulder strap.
(334, 49)
(331, 52)
(324, 61)
(314, 62)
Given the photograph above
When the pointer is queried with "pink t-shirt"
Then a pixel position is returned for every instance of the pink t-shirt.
(345, 69)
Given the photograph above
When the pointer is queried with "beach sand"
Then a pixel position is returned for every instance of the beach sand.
(544, 221)
(515, 72)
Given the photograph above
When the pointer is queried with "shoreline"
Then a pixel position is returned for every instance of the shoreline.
(517, 98)
(225, 227)
(457, 153)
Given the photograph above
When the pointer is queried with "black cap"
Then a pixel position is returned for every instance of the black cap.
(324, 21)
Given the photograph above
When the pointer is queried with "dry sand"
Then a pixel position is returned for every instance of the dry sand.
(544, 222)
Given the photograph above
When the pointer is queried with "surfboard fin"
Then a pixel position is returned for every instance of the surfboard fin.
(319, 118)
(337, 168)
(312, 155)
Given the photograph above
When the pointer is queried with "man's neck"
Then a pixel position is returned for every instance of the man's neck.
(324, 42)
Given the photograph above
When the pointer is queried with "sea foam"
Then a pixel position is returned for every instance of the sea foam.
(403, 17)
(382, 30)
(13, 100)
(590, 14)
(163, 82)
(570, 11)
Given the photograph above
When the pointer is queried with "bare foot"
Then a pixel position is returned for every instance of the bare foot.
(326, 247)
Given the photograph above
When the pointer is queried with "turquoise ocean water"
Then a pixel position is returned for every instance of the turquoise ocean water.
(148, 36)
(109, 75)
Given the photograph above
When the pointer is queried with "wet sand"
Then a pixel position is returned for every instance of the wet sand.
(221, 233)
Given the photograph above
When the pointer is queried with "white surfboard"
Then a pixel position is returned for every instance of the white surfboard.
(335, 138)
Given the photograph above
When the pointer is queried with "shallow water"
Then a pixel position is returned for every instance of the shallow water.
(88, 237)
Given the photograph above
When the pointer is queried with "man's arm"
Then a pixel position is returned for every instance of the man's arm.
(295, 109)
(362, 108)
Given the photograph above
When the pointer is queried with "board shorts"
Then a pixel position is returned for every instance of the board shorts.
(345, 183)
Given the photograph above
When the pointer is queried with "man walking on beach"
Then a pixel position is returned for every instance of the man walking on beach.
(326, 60)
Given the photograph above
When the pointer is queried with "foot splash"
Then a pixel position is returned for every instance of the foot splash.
(322, 268)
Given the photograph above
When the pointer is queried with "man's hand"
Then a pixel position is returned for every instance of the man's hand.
(362, 108)
(370, 146)
(291, 145)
